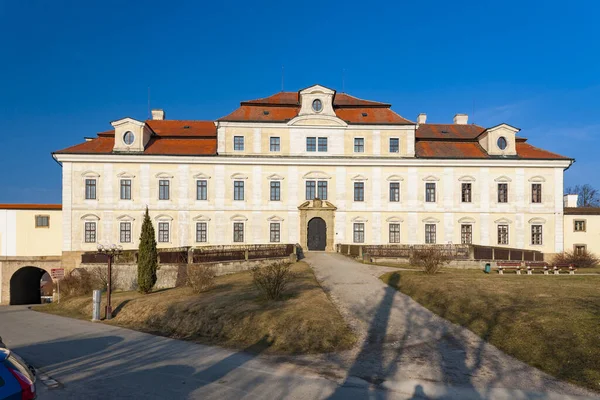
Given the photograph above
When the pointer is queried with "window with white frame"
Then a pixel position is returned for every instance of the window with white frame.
(125, 232)
(466, 234)
(42, 221)
(322, 144)
(394, 145)
(163, 232)
(394, 231)
(503, 234)
(310, 190)
(536, 234)
(466, 193)
(359, 145)
(503, 193)
(90, 189)
(125, 189)
(238, 143)
(359, 191)
(579, 225)
(238, 190)
(275, 232)
(430, 231)
(580, 249)
(430, 192)
(275, 194)
(322, 190)
(201, 189)
(163, 189)
(311, 144)
(359, 232)
(90, 232)
(394, 191)
(201, 232)
(238, 232)
(274, 144)
(536, 192)
(316, 189)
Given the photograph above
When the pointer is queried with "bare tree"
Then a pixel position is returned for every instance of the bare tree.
(588, 196)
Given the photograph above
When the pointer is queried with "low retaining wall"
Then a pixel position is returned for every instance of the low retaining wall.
(459, 264)
(172, 275)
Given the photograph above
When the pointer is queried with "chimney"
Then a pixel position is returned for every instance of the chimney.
(158, 114)
(461, 119)
(422, 118)
(570, 200)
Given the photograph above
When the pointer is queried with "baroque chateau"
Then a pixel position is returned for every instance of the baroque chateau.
(313, 167)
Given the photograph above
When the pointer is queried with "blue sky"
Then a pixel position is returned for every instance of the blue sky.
(67, 68)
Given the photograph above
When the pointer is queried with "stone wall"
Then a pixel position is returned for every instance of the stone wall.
(172, 275)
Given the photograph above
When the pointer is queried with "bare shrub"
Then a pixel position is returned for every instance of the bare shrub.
(76, 283)
(584, 259)
(272, 279)
(200, 277)
(431, 259)
(99, 276)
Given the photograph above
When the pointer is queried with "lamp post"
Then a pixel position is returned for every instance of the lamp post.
(110, 251)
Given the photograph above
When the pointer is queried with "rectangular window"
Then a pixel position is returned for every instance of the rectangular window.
(163, 232)
(536, 192)
(394, 233)
(311, 144)
(310, 190)
(274, 144)
(430, 233)
(395, 191)
(359, 191)
(466, 234)
(322, 144)
(322, 190)
(90, 232)
(394, 145)
(125, 189)
(90, 189)
(502, 234)
(466, 193)
(275, 232)
(201, 189)
(359, 233)
(275, 191)
(125, 232)
(430, 192)
(238, 232)
(580, 249)
(536, 234)
(163, 189)
(359, 145)
(42, 221)
(503, 193)
(579, 225)
(238, 190)
(238, 143)
(201, 232)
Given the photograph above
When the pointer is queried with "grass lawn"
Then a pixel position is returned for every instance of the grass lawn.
(550, 322)
(231, 314)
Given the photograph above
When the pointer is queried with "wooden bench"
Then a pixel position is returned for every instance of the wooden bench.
(532, 265)
(509, 265)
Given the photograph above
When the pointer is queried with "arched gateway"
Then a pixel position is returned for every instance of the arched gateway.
(25, 286)
(317, 225)
(317, 234)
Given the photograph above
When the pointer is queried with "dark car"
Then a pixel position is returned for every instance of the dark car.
(17, 379)
(2, 345)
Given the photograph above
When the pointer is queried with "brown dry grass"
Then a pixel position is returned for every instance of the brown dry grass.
(550, 322)
(231, 314)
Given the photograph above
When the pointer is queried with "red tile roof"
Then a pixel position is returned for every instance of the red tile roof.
(30, 206)
(182, 147)
(262, 114)
(525, 150)
(472, 149)
(182, 128)
(448, 131)
(293, 99)
(380, 116)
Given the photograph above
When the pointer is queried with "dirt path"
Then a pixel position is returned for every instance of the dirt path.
(402, 341)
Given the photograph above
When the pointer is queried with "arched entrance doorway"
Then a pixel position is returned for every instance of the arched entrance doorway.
(25, 286)
(317, 234)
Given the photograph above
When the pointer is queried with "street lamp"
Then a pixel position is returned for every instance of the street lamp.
(110, 251)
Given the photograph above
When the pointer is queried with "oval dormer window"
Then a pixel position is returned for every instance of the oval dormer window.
(317, 106)
(502, 143)
(128, 138)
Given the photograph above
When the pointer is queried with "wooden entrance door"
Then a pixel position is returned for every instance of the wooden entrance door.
(317, 234)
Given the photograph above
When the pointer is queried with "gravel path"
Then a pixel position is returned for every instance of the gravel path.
(402, 341)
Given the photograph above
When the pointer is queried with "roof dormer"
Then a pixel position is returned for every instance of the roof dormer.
(499, 140)
(130, 135)
(316, 108)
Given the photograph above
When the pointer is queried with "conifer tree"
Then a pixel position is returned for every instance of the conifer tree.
(147, 256)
